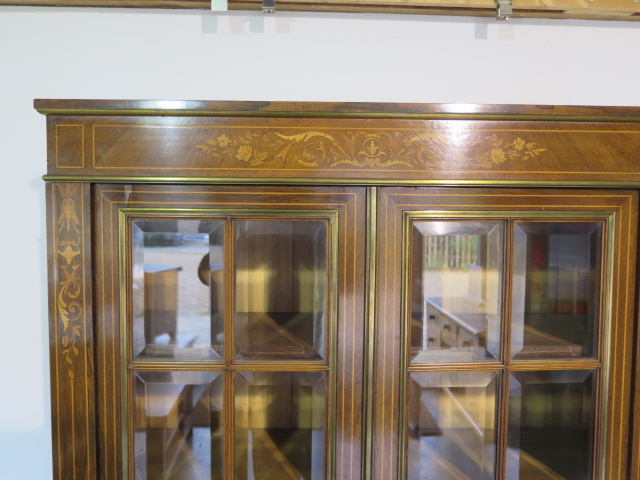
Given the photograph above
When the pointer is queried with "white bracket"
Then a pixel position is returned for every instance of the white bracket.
(268, 6)
(504, 9)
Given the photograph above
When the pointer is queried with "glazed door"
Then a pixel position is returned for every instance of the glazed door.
(236, 350)
(503, 334)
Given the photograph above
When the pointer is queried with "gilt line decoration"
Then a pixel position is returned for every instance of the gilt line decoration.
(68, 247)
(317, 149)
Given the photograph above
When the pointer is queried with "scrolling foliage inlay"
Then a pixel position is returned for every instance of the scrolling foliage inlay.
(68, 246)
(362, 149)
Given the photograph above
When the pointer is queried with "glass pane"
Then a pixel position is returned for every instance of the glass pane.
(279, 425)
(556, 289)
(551, 425)
(281, 289)
(452, 423)
(178, 424)
(456, 284)
(177, 289)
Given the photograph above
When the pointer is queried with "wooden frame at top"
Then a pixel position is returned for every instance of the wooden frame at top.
(576, 9)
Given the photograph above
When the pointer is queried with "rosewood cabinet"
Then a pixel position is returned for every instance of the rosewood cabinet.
(342, 291)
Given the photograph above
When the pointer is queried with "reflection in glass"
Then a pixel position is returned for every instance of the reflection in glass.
(177, 288)
(451, 425)
(280, 289)
(456, 283)
(279, 425)
(178, 423)
(556, 289)
(551, 425)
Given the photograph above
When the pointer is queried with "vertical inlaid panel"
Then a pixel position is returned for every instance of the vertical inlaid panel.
(71, 331)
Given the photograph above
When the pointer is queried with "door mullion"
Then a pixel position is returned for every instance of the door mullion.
(502, 423)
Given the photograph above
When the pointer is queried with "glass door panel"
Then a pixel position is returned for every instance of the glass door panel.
(243, 333)
(452, 425)
(177, 289)
(456, 290)
(178, 430)
(279, 420)
(556, 289)
(500, 317)
(551, 425)
(281, 281)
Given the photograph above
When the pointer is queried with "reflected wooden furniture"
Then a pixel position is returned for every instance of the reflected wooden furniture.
(365, 172)
(161, 301)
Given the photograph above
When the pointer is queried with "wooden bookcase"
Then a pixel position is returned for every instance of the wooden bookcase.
(342, 291)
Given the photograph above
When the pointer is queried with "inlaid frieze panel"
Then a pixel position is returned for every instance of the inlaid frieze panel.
(407, 149)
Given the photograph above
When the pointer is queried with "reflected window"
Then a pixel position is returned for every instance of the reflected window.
(177, 289)
(456, 284)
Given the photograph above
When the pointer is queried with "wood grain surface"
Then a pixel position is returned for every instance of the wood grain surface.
(577, 9)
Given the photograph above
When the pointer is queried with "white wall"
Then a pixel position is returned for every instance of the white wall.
(129, 54)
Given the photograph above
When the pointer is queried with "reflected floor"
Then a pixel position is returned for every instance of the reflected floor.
(189, 459)
(279, 453)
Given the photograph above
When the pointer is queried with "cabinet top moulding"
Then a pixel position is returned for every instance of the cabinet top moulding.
(335, 110)
(192, 141)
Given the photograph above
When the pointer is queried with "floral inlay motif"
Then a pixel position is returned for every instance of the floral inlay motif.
(68, 246)
(501, 150)
(330, 149)
(323, 149)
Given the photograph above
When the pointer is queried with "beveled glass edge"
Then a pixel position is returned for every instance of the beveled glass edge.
(126, 372)
(601, 418)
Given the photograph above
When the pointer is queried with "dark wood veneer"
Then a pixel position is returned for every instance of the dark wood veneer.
(104, 156)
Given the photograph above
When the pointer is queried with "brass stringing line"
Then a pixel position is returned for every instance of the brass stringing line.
(56, 276)
(73, 429)
(344, 345)
(336, 181)
(384, 343)
(613, 372)
(101, 344)
(114, 317)
(626, 329)
(93, 146)
(353, 324)
(225, 192)
(382, 170)
(274, 213)
(375, 129)
(576, 208)
(84, 305)
(394, 288)
(555, 213)
(493, 195)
